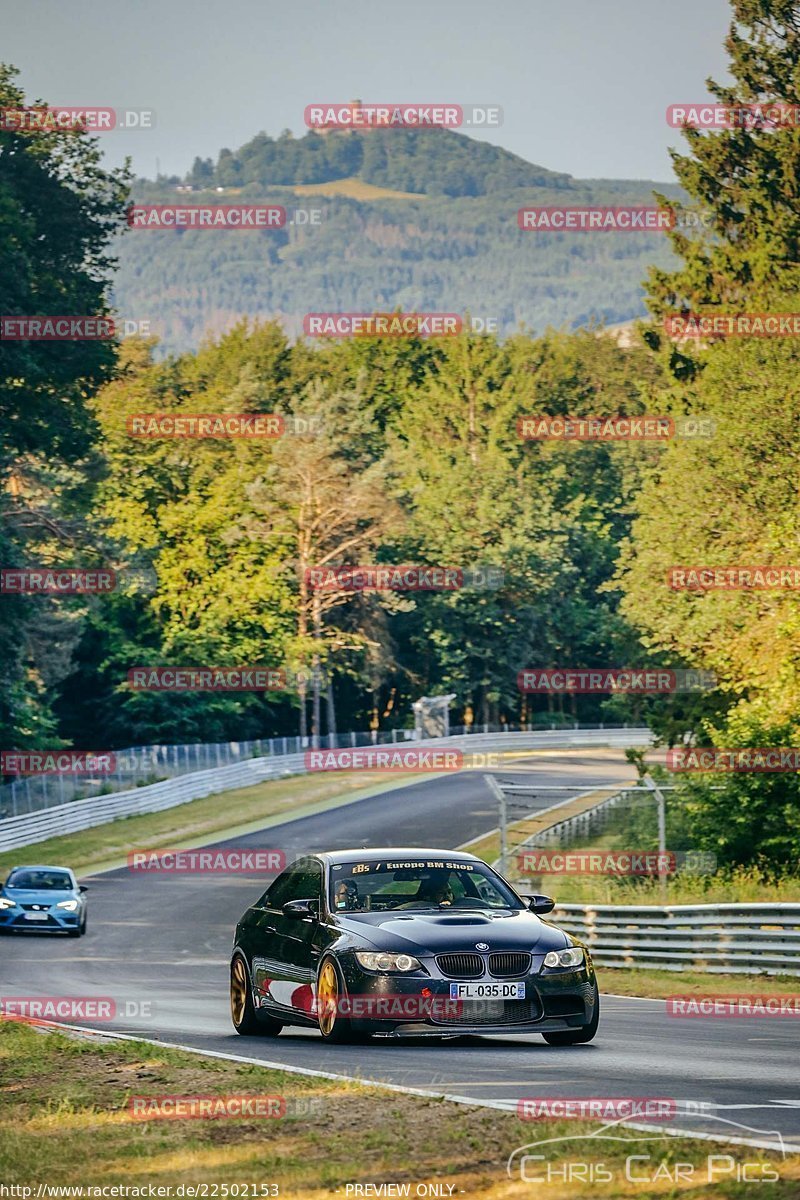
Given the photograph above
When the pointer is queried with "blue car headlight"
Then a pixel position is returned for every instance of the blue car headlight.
(69, 905)
(573, 956)
(6, 903)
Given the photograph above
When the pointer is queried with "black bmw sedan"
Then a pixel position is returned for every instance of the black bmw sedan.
(407, 943)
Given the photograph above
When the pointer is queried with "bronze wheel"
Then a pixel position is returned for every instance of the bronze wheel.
(330, 990)
(238, 991)
(327, 998)
(243, 1014)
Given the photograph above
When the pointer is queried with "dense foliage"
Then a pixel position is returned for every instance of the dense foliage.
(427, 470)
(733, 501)
(434, 162)
(58, 212)
(432, 253)
(415, 457)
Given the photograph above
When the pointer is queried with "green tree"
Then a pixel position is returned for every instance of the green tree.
(744, 180)
(731, 499)
(59, 210)
(725, 500)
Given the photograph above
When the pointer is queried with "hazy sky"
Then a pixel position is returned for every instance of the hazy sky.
(583, 83)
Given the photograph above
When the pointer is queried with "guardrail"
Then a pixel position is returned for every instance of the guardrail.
(580, 824)
(138, 766)
(99, 810)
(714, 938)
(576, 814)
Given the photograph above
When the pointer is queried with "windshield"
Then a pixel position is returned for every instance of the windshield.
(40, 880)
(417, 884)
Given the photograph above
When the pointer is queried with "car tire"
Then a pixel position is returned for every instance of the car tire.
(329, 988)
(584, 1033)
(243, 1014)
(79, 930)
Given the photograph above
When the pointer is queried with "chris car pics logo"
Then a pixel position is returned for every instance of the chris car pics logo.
(578, 1158)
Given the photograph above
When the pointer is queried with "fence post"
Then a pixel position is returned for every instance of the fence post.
(502, 821)
(662, 833)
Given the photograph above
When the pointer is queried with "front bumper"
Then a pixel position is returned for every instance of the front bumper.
(27, 919)
(554, 1001)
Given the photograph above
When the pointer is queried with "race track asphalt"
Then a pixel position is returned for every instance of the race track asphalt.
(159, 946)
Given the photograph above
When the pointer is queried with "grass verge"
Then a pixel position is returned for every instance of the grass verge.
(659, 984)
(727, 885)
(66, 1105)
(194, 823)
(488, 845)
(224, 813)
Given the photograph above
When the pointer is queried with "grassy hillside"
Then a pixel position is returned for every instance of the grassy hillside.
(390, 235)
(433, 161)
(355, 188)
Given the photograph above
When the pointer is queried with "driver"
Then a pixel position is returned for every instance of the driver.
(346, 896)
(434, 889)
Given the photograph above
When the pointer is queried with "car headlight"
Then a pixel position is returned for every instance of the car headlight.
(69, 905)
(380, 961)
(571, 957)
(6, 903)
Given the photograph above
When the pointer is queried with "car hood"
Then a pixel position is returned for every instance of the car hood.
(438, 932)
(38, 896)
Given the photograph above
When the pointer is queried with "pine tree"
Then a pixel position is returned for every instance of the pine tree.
(744, 180)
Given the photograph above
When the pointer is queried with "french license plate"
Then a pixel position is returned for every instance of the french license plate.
(36, 916)
(487, 991)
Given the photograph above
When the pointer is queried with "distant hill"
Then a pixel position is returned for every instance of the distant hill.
(436, 162)
(423, 220)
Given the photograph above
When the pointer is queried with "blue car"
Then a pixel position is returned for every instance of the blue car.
(43, 898)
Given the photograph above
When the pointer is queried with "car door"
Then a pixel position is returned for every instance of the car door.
(302, 940)
(283, 970)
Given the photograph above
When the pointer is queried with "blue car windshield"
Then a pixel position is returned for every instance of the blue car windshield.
(417, 884)
(36, 881)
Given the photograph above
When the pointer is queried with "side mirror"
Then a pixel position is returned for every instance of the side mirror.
(301, 909)
(540, 904)
(83, 888)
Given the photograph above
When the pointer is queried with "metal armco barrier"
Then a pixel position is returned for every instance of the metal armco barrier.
(722, 938)
(99, 810)
(137, 766)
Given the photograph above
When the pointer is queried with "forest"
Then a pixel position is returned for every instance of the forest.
(407, 451)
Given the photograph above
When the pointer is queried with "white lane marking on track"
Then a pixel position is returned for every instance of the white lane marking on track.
(144, 962)
(617, 996)
(470, 1101)
(766, 1104)
(503, 1082)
